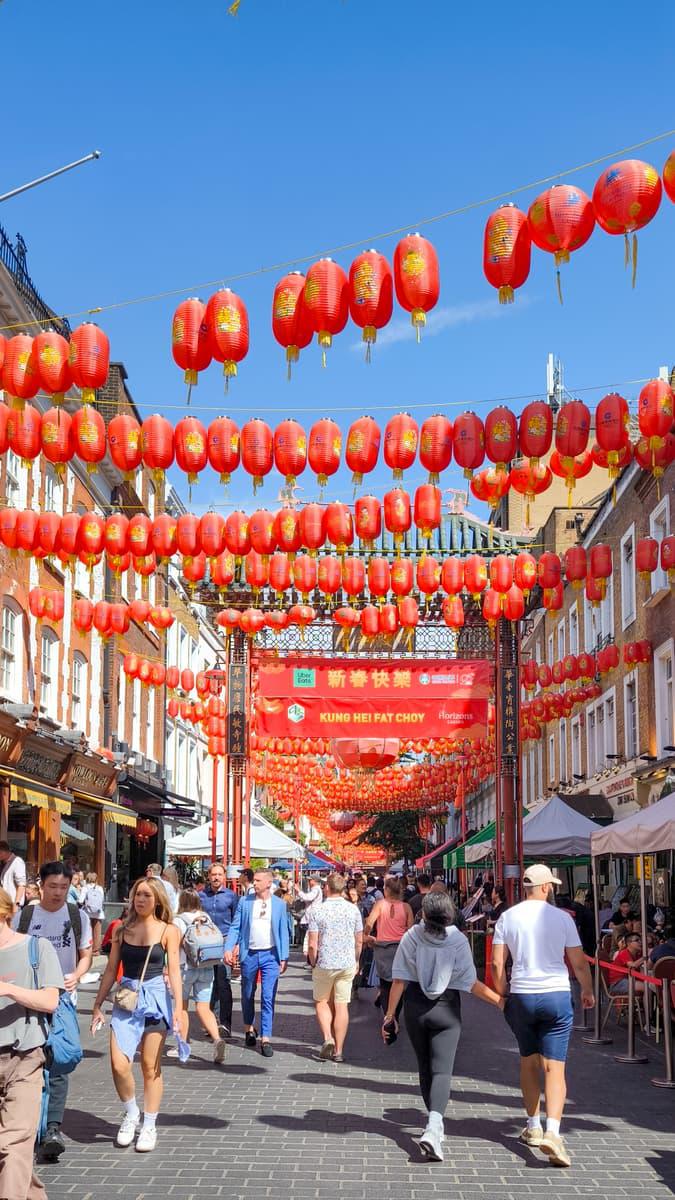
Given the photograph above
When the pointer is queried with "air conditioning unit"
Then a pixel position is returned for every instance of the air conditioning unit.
(120, 747)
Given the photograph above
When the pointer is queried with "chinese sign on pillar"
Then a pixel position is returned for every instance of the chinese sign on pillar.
(236, 711)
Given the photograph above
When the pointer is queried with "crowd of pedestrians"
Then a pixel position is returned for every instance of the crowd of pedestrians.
(174, 945)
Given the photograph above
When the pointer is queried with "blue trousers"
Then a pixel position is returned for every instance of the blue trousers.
(267, 963)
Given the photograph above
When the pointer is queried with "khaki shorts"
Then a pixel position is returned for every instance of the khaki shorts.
(335, 984)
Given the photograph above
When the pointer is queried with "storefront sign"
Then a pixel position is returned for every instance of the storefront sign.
(509, 712)
(236, 711)
(39, 765)
(349, 698)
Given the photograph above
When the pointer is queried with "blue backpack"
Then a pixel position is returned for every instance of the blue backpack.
(63, 1048)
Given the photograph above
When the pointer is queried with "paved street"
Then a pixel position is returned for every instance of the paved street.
(294, 1126)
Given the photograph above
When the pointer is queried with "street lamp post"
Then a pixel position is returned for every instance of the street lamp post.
(25, 187)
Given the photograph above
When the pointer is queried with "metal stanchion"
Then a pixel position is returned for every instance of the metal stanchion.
(577, 1002)
(597, 1038)
(630, 1056)
(669, 1081)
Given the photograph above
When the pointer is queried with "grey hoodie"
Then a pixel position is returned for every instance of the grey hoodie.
(435, 963)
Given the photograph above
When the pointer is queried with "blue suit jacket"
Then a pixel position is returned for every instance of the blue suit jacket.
(240, 930)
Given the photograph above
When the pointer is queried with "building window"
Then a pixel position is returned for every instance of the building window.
(533, 782)
(551, 758)
(659, 528)
(48, 672)
(663, 686)
(576, 749)
(630, 715)
(540, 768)
(561, 641)
(10, 652)
(79, 692)
(601, 733)
(549, 650)
(150, 726)
(121, 703)
(537, 654)
(152, 501)
(53, 492)
(13, 470)
(183, 648)
(562, 745)
(574, 630)
(628, 601)
(607, 610)
(181, 764)
(136, 717)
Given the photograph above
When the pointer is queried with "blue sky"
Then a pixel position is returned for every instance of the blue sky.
(230, 143)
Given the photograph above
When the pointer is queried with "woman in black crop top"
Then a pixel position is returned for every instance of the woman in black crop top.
(147, 947)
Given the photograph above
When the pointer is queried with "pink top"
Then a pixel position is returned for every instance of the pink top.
(392, 921)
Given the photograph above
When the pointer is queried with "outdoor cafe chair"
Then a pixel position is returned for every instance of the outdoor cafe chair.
(614, 1002)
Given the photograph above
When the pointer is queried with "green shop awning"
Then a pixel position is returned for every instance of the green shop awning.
(456, 858)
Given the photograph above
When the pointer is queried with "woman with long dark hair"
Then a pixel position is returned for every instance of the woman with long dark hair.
(433, 964)
(143, 1013)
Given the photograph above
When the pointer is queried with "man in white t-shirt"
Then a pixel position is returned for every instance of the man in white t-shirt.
(335, 937)
(12, 874)
(540, 937)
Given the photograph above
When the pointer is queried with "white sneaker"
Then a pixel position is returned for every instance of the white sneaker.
(219, 1051)
(147, 1139)
(127, 1131)
(431, 1143)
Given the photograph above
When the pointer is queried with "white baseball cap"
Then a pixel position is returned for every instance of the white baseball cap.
(537, 874)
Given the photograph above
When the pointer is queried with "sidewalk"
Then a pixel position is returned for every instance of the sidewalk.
(295, 1127)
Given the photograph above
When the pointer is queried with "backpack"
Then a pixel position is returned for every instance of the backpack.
(73, 912)
(63, 1048)
(203, 942)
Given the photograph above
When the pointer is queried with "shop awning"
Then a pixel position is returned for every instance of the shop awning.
(457, 857)
(445, 846)
(113, 814)
(31, 793)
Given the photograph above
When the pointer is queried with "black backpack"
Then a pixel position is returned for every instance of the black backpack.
(73, 912)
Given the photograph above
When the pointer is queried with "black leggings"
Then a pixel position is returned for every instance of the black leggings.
(433, 1027)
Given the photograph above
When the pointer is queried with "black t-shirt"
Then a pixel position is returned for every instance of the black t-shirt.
(415, 903)
(618, 918)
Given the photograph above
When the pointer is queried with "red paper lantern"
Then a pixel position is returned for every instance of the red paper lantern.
(237, 538)
(452, 576)
(326, 301)
(325, 445)
(329, 575)
(68, 534)
(492, 606)
(102, 618)
(525, 572)
(257, 573)
(194, 568)
(139, 611)
(301, 615)
(56, 438)
(368, 520)
(490, 486)
(83, 615)
(290, 450)
(140, 533)
(222, 570)
(506, 251)
(187, 535)
(290, 322)
(530, 675)
(549, 571)
(501, 437)
(428, 575)
(313, 527)
(400, 443)
(612, 463)
(612, 426)
(600, 565)
(436, 445)
(397, 514)
(27, 531)
(305, 574)
(594, 590)
(475, 575)
(339, 526)
(228, 619)
(89, 359)
(20, 377)
(4, 419)
(116, 537)
(553, 598)
(124, 444)
(608, 659)
(287, 530)
(89, 436)
(363, 448)
(468, 442)
(535, 430)
(669, 176)
(453, 612)
(408, 614)
(157, 445)
(389, 621)
(120, 619)
(416, 278)
(625, 198)
(668, 557)
(655, 412)
(514, 603)
(51, 352)
(91, 538)
(501, 573)
(545, 675)
(212, 534)
(572, 429)
(190, 342)
(428, 509)
(189, 441)
(24, 433)
(561, 220)
(163, 536)
(353, 577)
(379, 577)
(655, 461)
(575, 566)
(187, 680)
(586, 665)
(222, 447)
(261, 532)
(280, 572)
(371, 295)
(529, 479)
(370, 622)
(48, 530)
(257, 450)
(227, 325)
(571, 469)
(646, 556)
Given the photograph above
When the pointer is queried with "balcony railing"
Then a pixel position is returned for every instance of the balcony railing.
(13, 257)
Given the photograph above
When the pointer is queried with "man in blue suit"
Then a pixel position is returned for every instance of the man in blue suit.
(259, 932)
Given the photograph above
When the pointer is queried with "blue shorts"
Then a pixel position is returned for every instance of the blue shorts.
(541, 1022)
(198, 984)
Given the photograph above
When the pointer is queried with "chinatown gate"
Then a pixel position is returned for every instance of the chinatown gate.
(315, 709)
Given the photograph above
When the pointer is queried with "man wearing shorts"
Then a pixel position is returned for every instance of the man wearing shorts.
(539, 937)
(335, 937)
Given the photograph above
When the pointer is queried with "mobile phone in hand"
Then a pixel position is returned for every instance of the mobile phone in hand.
(390, 1032)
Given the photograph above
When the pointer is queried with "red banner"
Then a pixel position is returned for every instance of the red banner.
(309, 697)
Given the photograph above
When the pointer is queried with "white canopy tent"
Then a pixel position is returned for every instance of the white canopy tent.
(266, 842)
(645, 832)
(552, 829)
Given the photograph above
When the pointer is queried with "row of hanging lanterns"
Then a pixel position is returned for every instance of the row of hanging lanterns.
(51, 364)
(502, 439)
(585, 666)
(157, 674)
(561, 220)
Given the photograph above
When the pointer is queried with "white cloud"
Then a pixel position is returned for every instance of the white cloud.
(441, 319)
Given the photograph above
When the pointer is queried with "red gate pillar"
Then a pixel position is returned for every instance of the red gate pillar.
(214, 811)
(237, 807)
(507, 734)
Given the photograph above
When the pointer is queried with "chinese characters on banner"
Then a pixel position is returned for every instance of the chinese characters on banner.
(509, 712)
(236, 711)
(306, 697)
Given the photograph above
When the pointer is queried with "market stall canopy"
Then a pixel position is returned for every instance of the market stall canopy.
(425, 859)
(457, 857)
(318, 861)
(266, 842)
(645, 832)
(554, 829)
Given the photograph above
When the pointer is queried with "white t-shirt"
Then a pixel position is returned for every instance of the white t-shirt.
(57, 929)
(537, 935)
(13, 876)
(261, 926)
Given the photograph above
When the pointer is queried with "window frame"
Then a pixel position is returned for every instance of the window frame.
(562, 750)
(631, 679)
(79, 666)
(575, 741)
(661, 654)
(14, 655)
(551, 758)
(561, 640)
(49, 673)
(659, 578)
(628, 585)
(574, 612)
